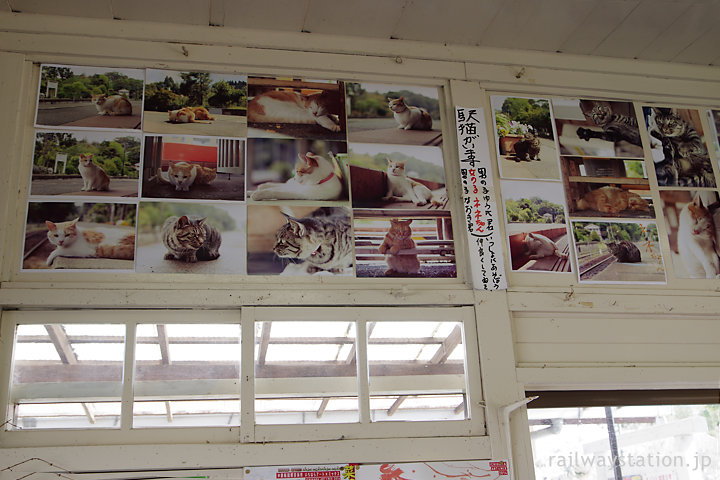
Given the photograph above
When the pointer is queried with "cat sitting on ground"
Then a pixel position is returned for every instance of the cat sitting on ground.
(112, 104)
(93, 176)
(280, 106)
(400, 188)
(190, 238)
(314, 179)
(399, 237)
(73, 241)
(322, 241)
(536, 246)
(697, 242)
(183, 175)
(407, 117)
(624, 251)
(612, 200)
(528, 148)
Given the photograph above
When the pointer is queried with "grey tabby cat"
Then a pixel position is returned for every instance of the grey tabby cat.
(322, 240)
(615, 126)
(686, 162)
(190, 238)
(528, 148)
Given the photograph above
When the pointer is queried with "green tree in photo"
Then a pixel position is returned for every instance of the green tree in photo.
(530, 111)
(195, 86)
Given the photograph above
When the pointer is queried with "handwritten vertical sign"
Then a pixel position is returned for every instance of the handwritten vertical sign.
(479, 208)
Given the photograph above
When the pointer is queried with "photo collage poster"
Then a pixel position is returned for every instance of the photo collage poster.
(608, 188)
(163, 171)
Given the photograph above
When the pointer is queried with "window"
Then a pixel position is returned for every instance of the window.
(651, 441)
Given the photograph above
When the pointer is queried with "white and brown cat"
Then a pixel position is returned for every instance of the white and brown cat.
(292, 107)
(183, 175)
(408, 117)
(400, 188)
(189, 115)
(93, 176)
(697, 240)
(314, 179)
(112, 104)
(71, 240)
(537, 246)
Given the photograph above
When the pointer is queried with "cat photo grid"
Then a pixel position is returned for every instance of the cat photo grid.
(224, 174)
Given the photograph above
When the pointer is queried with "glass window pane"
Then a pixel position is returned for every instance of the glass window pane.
(417, 371)
(187, 375)
(651, 442)
(305, 372)
(67, 376)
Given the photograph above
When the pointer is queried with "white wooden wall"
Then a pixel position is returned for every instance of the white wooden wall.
(545, 332)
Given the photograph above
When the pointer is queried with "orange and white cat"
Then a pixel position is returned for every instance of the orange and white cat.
(112, 104)
(400, 188)
(182, 175)
(409, 118)
(314, 179)
(94, 177)
(397, 238)
(183, 115)
(697, 242)
(201, 113)
(292, 107)
(73, 241)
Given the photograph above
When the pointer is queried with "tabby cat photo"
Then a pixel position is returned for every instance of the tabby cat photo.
(80, 236)
(393, 114)
(299, 240)
(191, 238)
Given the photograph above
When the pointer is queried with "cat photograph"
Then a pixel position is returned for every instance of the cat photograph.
(299, 240)
(112, 97)
(86, 163)
(612, 201)
(536, 226)
(597, 128)
(678, 148)
(195, 103)
(193, 167)
(395, 114)
(296, 108)
(397, 177)
(296, 169)
(80, 236)
(618, 252)
(417, 247)
(692, 219)
(178, 237)
(525, 138)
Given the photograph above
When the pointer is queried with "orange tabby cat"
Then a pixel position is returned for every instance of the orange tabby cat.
(399, 237)
(201, 113)
(183, 115)
(612, 200)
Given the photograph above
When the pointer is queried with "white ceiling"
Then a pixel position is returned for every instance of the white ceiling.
(686, 31)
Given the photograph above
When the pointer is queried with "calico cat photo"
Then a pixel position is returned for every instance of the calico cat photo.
(297, 109)
(112, 104)
(678, 149)
(93, 176)
(395, 114)
(98, 236)
(296, 169)
(111, 97)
